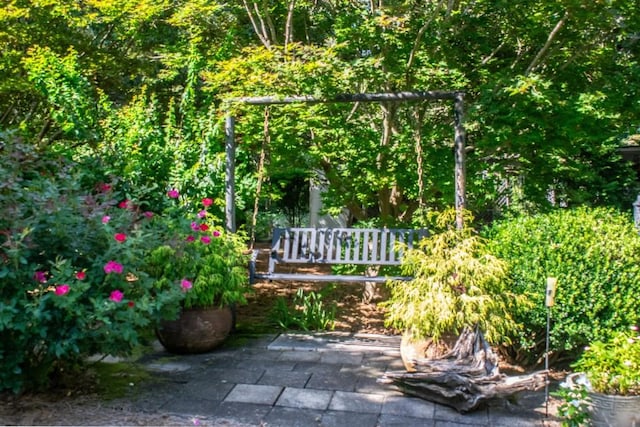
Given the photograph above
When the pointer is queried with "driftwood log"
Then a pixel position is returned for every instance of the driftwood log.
(465, 379)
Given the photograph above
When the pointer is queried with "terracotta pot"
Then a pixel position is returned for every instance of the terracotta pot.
(610, 410)
(197, 330)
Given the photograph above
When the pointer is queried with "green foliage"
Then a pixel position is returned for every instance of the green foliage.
(210, 263)
(613, 366)
(85, 271)
(140, 85)
(574, 407)
(70, 96)
(71, 272)
(595, 255)
(457, 283)
(307, 313)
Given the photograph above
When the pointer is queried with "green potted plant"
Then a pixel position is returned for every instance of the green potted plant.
(456, 284)
(210, 265)
(608, 376)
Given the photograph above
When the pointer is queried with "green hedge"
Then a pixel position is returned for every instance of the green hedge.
(594, 253)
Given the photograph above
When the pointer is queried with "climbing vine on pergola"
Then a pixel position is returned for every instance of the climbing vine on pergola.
(458, 144)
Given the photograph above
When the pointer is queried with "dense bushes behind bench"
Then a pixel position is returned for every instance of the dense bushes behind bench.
(594, 253)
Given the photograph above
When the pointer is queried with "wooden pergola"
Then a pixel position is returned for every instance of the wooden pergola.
(459, 136)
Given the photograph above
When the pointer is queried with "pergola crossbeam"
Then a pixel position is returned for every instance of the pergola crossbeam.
(355, 97)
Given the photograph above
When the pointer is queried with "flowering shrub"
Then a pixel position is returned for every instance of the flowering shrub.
(77, 269)
(209, 264)
(609, 367)
(613, 366)
(574, 403)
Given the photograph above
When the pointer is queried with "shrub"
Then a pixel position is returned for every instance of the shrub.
(594, 253)
(72, 270)
(457, 284)
(613, 367)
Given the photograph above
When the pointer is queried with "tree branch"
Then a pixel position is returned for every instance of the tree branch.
(417, 41)
(259, 30)
(552, 35)
(272, 28)
(288, 31)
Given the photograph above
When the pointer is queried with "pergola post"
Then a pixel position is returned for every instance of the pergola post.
(230, 174)
(459, 153)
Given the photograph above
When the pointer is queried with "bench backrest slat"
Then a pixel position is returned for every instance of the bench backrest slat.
(342, 245)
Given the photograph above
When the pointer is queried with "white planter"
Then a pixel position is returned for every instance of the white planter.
(615, 411)
(606, 410)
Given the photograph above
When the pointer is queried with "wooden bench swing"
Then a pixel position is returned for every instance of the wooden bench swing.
(335, 246)
(373, 248)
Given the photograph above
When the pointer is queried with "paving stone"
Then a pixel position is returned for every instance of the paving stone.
(445, 413)
(252, 393)
(326, 383)
(315, 367)
(348, 419)
(356, 402)
(208, 389)
(271, 365)
(191, 407)
(235, 375)
(408, 406)
(299, 342)
(517, 417)
(387, 420)
(305, 398)
(344, 358)
(285, 378)
(371, 385)
(288, 417)
(168, 367)
(152, 396)
(333, 381)
(242, 413)
(383, 361)
(300, 356)
(470, 423)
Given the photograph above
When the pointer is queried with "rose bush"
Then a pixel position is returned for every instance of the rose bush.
(77, 268)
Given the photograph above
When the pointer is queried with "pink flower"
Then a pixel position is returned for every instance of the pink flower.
(105, 187)
(186, 284)
(120, 237)
(40, 276)
(216, 233)
(62, 289)
(206, 202)
(125, 204)
(190, 238)
(173, 193)
(112, 267)
(148, 214)
(202, 214)
(195, 226)
(80, 275)
(204, 227)
(106, 219)
(116, 296)
(205, 239)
